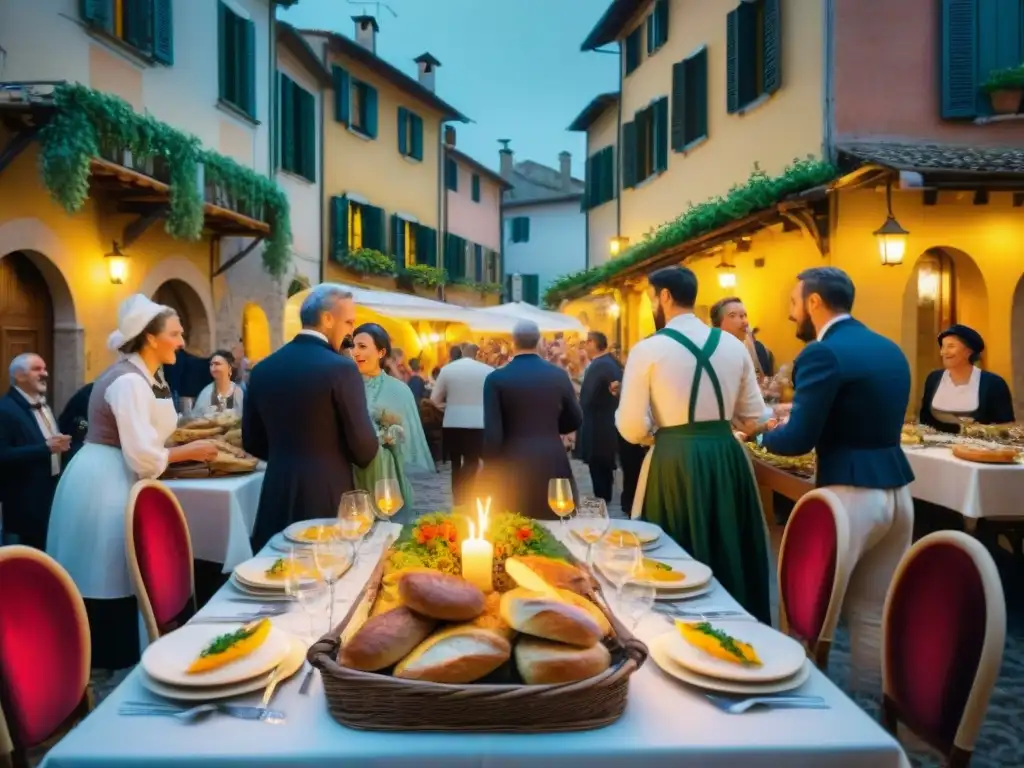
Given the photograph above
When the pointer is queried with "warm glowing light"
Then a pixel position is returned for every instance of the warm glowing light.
(726, 277)
(613, 311)
(477, 552)
(891, 237)
(617, 245)
(434, 338)
(117, 266)
(927, 283)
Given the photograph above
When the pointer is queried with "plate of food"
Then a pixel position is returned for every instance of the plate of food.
(209, 655)
(741, 651)
(312, 531)
(624, 530)
(290, 664)
(675, 575)
(660, 652)
(671, 595)
(270, 594)
(269, 572)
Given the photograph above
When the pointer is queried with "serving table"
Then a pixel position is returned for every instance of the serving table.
(665, 724)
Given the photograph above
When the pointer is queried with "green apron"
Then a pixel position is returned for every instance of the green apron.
(701, 491)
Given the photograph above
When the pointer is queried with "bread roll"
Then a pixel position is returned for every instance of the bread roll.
(441, 596)
(459, 654)
(385, 640)
(984, 455)
(542, 662)
(590, 607)
(541, 574)
(491, 617)
(549, 617)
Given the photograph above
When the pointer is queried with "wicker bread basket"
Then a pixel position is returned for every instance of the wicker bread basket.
(378, 702)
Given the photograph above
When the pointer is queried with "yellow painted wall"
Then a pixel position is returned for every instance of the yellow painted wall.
(602, 222)
(374, 169)
(788, 125)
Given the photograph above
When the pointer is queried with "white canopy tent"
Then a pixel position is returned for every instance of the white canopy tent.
(547, 321)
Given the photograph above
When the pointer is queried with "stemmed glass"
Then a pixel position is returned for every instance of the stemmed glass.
(618, 558)
(333, 556)
(304, 583)
(560, 498)
(388, 496)
(636, 600)
(591, 523)
(355, 518)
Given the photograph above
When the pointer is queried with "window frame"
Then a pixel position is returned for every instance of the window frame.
(236, 64)
(291, 94)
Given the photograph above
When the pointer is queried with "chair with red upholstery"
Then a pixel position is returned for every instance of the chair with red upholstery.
(813, 569)
(45, 651)
(159, 557)
(943, 632)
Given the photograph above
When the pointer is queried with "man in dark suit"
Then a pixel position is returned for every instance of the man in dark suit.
(528, 405)
(306, 416)
(30, 452)
(598, 436)
(852, 387)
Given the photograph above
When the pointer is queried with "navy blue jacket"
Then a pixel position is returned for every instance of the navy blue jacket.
(852, 390)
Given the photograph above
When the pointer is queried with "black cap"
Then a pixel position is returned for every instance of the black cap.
(970, 337)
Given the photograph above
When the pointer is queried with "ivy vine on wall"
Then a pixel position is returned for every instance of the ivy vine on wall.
(88, 124)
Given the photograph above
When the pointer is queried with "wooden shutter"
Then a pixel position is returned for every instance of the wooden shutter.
(651, 41)
(531, 289)
(417, 136)
(398, 238)
(342, 82)
(451, 175)
(455, 256)
(306, 132)
(286, 137)
(224, 48)
(374, 233)
(138, 23)
(403, 131)
(370, 107)
(697, 70)
(608, 174)
(679, 106)
(661, 21)
(426, 246)
(588, 184)
(339, 227)
(628, 155)
(959, 61)
(771, 46)
(163, 32)
(475, 187)
(660, 133)
(998, 42)
(747, 31)
(526, 229)
(632, 57)
(249, 68)
(478, 263)
(98, 13)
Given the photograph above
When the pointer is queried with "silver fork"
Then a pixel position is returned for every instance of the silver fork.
(243, 712)
(692, 613)
(733, 706)
(241, 618)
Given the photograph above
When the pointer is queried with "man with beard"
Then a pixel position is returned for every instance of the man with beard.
(852, 389)
(684, 386)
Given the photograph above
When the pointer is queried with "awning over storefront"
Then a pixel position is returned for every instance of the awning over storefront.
(409, 307)
(547, 321)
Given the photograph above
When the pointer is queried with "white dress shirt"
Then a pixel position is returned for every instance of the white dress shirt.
(143, 422)
(459, 390)
(314, 334)
(829, 324)
(47, 425)
(659, 373)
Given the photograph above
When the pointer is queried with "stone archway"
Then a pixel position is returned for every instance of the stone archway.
(194, 287)
(1017, 349)
(181, 297)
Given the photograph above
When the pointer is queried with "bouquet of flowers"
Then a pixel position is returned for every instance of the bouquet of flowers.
(389, 427)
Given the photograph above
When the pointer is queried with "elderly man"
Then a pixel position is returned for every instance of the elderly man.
(306, 416)
(528, 405)
(30, 452)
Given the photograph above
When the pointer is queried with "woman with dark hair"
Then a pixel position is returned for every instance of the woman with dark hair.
(394, 411)
(222, 394)
(131, 416)
(961, 389)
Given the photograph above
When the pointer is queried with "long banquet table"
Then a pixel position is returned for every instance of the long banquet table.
(665, 724)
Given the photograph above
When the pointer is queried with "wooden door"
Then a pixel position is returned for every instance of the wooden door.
(26, 314)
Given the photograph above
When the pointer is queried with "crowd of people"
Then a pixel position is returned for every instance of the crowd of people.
(338, 408)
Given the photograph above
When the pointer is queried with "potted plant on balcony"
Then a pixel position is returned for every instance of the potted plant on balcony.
(1004, 88)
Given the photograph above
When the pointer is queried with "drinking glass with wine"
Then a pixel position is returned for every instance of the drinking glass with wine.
(388, 496)
(355, 517)
(560, 498)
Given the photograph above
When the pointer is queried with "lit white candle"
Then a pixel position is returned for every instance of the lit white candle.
(478, 553)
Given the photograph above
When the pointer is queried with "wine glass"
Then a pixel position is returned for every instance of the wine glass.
(560, 498)
(333, 556)
(965, 423)
(303, 582)
(636, 600)
(355, 518)
(618, 558)
(388, 495)
(591, 523)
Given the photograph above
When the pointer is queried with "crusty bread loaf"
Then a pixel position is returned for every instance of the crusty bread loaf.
(459, 654)
(595, 613)
(985, 455)
(540, 573)
(552, 618)
(441, 596)
(542, 662)
(385, 640)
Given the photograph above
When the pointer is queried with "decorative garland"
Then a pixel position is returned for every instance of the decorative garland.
(760, 192)
(88, 122)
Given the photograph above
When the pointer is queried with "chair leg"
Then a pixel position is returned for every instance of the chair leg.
(959, 758)
(821, 651)
(890, 719)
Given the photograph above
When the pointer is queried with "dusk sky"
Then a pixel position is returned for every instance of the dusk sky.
(514, 67)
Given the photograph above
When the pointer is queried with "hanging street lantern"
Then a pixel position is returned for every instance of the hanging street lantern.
(726, 276)
(117, 265)
(891, 237)
(617, 245)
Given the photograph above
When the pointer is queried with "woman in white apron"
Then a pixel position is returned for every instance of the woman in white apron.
(131, 417)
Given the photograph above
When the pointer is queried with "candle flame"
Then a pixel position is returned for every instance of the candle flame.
(483, 514)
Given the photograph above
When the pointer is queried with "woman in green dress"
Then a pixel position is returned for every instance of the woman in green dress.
(394, 412)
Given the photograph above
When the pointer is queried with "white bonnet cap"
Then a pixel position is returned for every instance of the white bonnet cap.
(134, 314)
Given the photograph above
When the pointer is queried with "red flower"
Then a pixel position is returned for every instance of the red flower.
(524, 534)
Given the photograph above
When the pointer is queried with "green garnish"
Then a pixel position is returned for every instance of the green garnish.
(662, 566)
(727, 643)
(222, 643)
(277, 568)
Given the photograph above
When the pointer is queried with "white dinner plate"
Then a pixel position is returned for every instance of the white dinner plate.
(781, 655)
(253, 573)
(167, 659)
(648, 533)
(290, 664)
(695, 575)
(659, 652)
(293, 531)
(281, 544)
(263, 594)
(683, 594)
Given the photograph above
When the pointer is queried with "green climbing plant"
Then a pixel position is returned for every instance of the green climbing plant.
(758, 193)
(426, 276)
(368, 261)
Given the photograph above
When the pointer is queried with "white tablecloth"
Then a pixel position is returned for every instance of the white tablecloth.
(665, 725)
(974, 490)
(221, 512)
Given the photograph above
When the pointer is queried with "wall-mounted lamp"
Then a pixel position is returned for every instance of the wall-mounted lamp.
(613, 310)
(117, 265)
(617, 245)
(726, 275)
(892, 238)
(927, 282)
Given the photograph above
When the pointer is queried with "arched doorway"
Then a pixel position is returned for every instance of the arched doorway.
(182, 298)
(1017, 349)
(26, 315)
(255, 333)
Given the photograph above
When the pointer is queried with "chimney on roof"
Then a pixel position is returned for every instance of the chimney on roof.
(427, 66)
(565, 170)
(366, 32)
(507, 159)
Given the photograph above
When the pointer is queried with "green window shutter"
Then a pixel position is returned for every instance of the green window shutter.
(476, 188)
(698, 105)
(959, 79)
(678, 129)
(287, 138)
(661, 21)
(138, 24)
(224, 47)
(426, 246)
(370, 105)
(417, 136)
(451, 174)
(661, 134)
(342, 82)
(526, 229)
(747, 31)
(249, 68)
(306, 132)
(998, 42)
(531, 289)
(651, 41)
(403, 131)
(608, 175)
(588, 184)
(632, 53)
(771, 47)
(339, 227)
(374, 233)
(398, 239)
(478, 263)
(98, 13)
(628, 155)
(163, 32)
